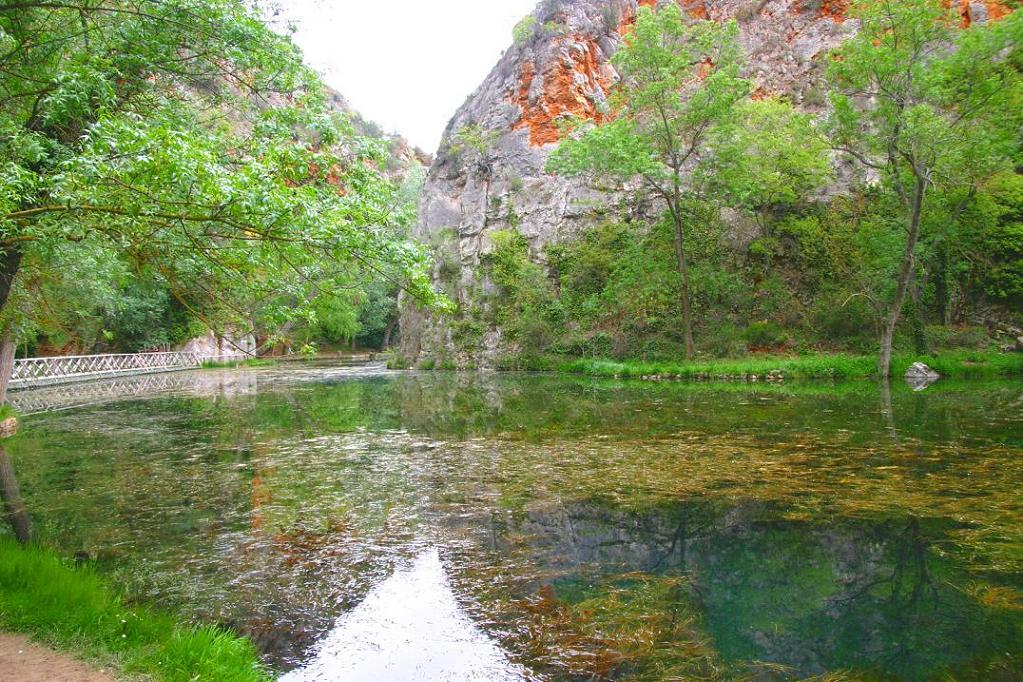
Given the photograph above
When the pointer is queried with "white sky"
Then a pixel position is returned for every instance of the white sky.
(406, 64)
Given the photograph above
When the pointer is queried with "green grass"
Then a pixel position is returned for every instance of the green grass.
(953, 365)
(73, 609)
(228, 364)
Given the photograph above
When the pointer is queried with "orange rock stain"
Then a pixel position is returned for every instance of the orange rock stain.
(568, 88)
(995, 10)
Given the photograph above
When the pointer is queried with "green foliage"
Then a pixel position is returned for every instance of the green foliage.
(847, 321)
(524, 31)
(398, 362)
(952, 338)
(723, 340)
(770, 156)
(765, 334)
(934, 110)
(554, 28)
(224, 177)
(524, 303)
(959, 365)
(664, 69)
(73, 608)
(230, 364)
(999, 242)
(474, 138)
(685, 128)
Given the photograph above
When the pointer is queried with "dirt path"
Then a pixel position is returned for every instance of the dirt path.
(23, 661)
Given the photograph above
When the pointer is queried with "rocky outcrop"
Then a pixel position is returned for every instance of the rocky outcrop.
(919, 376)
(563, 69)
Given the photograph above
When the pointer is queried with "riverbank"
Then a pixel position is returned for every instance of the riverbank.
(72, 609)
(952, 365)
(24, 661)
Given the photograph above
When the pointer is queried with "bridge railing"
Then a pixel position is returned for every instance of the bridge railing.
(60, 369)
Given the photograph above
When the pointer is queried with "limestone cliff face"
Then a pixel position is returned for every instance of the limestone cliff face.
(564, 69)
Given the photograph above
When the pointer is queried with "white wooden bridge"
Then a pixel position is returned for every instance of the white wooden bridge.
(31, 372)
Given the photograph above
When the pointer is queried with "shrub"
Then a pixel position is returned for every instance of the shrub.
(967, 338)
(764, 335)
(554, 28)
(467, 332)
(848, 321)
(398, 362)
(524, 30)
(723, 340)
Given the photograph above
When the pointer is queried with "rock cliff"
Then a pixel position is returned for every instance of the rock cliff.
(488, 174)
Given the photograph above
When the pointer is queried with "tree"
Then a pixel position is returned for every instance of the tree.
(928, 107)
(771, 157)
(679, 83)
(187, 137)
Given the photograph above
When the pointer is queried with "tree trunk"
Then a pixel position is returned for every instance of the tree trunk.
(7, 349)
(884, 362)
(917, 320)
(14, 507)
(683, 271)
(388, 331)
(10, 263)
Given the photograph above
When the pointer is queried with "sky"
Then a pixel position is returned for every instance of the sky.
(406, 64)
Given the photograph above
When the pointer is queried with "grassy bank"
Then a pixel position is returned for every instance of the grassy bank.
(953, 365)
(73, 609)
(229, 364)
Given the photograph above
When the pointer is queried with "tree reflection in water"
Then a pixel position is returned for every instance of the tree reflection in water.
(598, 529)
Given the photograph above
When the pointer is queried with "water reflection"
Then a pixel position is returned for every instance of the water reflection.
(598, 530)
(797, 598)
(15, 512)
(409, 627)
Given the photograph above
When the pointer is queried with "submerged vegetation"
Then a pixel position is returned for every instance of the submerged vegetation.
(600, 528)
(71, 607)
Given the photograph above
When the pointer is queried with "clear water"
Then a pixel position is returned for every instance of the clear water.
(594, 529)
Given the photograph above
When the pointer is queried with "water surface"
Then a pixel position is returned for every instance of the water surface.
(593, 529)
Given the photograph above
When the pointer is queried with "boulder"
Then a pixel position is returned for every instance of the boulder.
(919, 376)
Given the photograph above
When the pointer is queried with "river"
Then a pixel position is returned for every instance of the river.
(556, 527)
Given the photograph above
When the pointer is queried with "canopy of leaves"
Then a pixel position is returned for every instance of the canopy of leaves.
(187, 136)
(679, 79)
(915, 95)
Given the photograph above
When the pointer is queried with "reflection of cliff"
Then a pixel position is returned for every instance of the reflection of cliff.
(812, 597)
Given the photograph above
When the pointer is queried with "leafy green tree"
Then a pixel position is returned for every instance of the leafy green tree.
(1000, 247)
(187, 137)
(679, 83)
(770, 158)
(929, 108)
